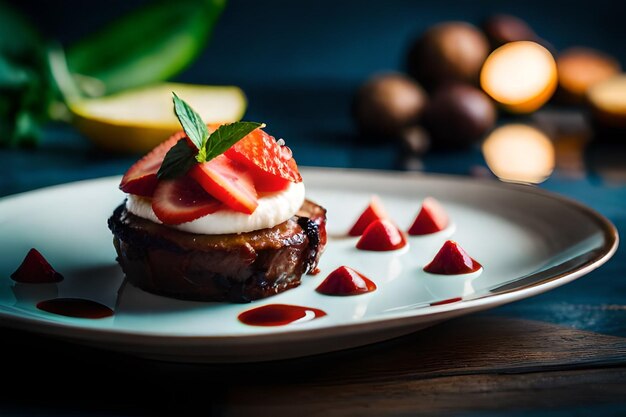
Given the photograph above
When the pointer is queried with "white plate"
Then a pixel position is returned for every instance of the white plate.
(529, 241)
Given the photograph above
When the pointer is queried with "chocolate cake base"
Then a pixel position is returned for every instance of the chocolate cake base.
(230, 267)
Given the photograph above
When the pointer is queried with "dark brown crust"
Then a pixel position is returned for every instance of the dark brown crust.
(230, 267)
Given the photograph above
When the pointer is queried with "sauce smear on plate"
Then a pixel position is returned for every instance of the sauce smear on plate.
(75, 307)
(279, 315)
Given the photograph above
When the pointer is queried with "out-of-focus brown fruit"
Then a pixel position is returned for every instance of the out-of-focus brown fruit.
(387, 104)
(607, 101)
(581, 68)
(415, 140)
(458, 115)
(521, 76)
(504, 28)
(448, 52)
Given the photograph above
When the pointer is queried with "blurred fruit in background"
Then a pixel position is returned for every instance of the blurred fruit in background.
(40, 81)
(521, 76)
(447, 52)
(607, 101)
(136, 120)
(581, 68)
(504, 28)
(387, 104)
(458, 116)
(519, 153)
(470, 73)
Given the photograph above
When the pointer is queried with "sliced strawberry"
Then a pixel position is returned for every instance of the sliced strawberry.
(227, 181)
(373, 212)
(381, 235)
(264, 182)
(36, 270)
(267, 183)
(182, 200)
(452, 260)
(432, 218)
(260, 150)
(345, 281)
(141, 178)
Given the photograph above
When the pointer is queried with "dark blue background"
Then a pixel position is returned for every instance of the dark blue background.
(273, 41)
(299, 63)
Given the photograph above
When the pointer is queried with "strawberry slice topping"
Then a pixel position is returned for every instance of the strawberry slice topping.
(373, 212)
(141, 178)
(36, 270)
(431, 219)
(270, 164)
(182, 200)
(227, 181)
(452, 260)
(268, 183)
(381, 235)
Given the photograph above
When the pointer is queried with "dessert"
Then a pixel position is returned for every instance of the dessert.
(452, 260)
(345, 281)
(35, 269)
(431, 218)
(373, 212)
(217, 214)
(381, 236)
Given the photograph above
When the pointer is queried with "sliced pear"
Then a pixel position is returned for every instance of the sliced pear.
(137, 120)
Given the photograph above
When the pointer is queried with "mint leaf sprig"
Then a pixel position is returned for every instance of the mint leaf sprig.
(191, 122)
(182, 157)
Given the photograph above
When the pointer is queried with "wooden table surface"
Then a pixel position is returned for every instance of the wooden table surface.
(487, 362)
(559, 354)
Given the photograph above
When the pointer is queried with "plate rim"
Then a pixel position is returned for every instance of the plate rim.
(406, 318)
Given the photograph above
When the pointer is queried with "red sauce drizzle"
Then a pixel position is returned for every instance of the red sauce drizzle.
(279, 315)
(448, 301)
(75, 307)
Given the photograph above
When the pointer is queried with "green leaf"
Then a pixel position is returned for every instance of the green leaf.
(26, 90)
(191, 122)
(226, 136)
(149, 45)
(18, 37)
(177, 161)
(182, 156)
(12, 75)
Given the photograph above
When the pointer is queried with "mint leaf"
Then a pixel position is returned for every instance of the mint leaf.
(191, 122)
(177, 161)
(183, 156)
(226, 136)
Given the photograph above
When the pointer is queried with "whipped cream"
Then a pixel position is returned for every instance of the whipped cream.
(273, 209)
